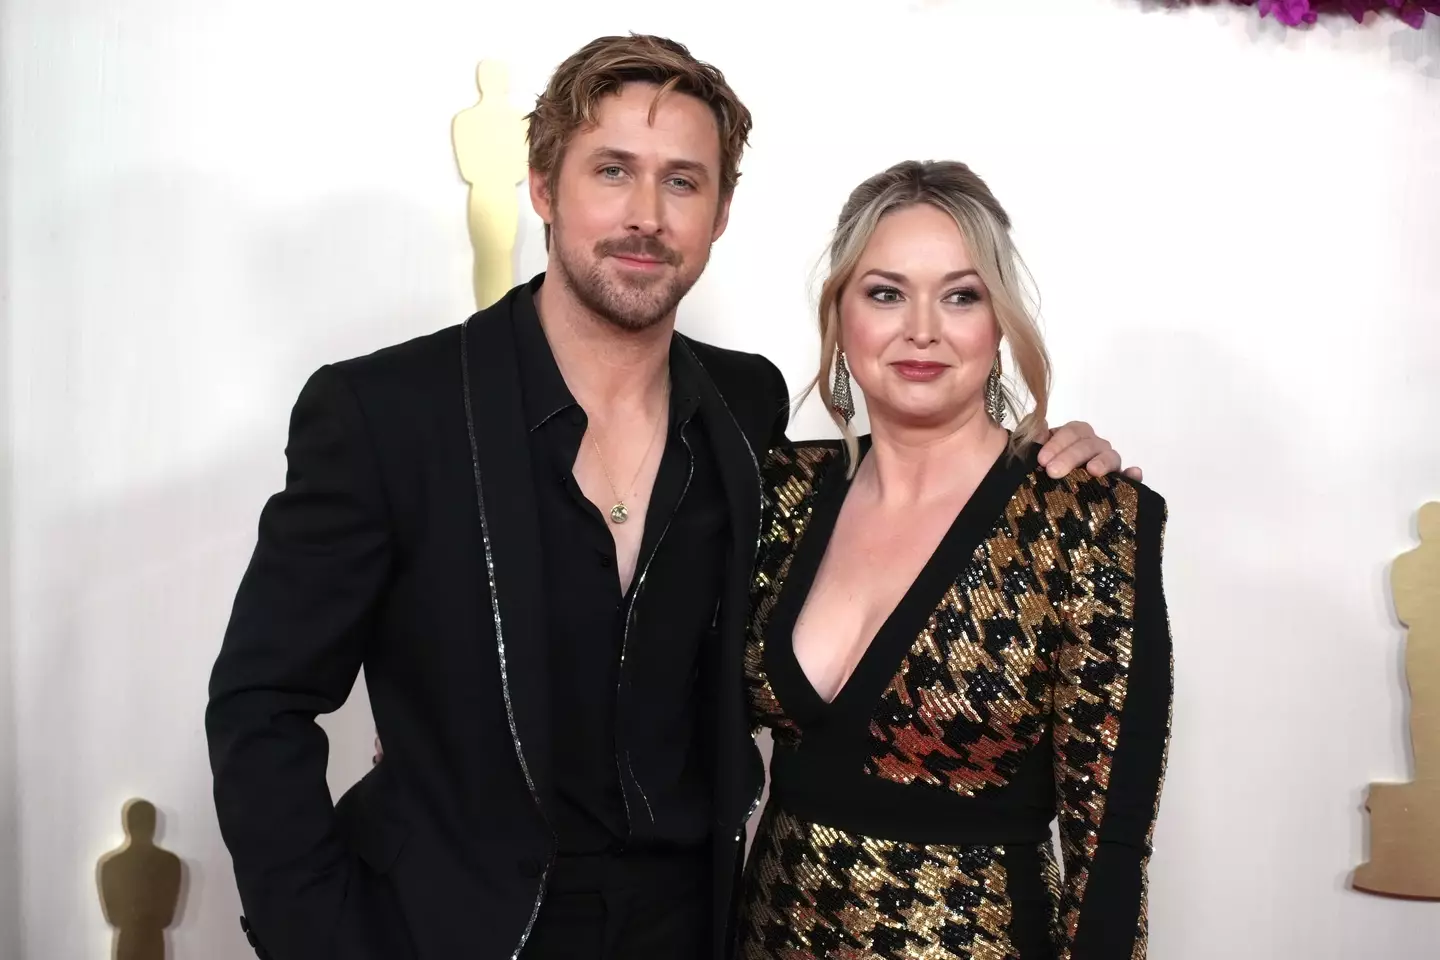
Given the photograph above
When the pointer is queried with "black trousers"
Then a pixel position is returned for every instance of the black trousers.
(624, 907)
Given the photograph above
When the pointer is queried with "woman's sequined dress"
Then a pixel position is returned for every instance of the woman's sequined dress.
(1024, 678)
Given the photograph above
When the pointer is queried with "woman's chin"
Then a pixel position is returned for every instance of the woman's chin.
(907, 415)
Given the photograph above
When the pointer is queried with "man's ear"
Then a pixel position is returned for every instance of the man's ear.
(540, 197)
(722, 219)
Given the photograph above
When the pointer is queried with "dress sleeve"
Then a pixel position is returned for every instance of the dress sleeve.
(1112, 712)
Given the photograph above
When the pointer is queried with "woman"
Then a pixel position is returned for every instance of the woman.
(950, 648)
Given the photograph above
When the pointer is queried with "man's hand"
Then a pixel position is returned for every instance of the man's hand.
(1075, 445)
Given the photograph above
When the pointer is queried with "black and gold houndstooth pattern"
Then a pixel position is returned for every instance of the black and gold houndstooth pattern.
(822, 892)
(788, 512)
(1034, 636)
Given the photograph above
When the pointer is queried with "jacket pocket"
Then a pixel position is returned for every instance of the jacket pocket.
(374, 823)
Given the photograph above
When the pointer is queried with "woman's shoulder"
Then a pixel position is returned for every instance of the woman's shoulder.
(816, 450)
(1089, 495)
(805, 461)
(803, 454)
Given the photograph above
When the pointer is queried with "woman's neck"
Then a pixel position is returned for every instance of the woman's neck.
(910, 466)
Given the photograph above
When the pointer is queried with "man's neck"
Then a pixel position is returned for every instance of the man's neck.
(612, 372)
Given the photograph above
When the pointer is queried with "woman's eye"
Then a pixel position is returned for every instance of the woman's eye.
(883, 294)
(964, 297)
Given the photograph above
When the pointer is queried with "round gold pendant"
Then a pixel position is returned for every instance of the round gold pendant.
(618, 513)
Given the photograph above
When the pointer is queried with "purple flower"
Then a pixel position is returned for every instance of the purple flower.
(1413, 15)
(1292, 13)
(1358, 9)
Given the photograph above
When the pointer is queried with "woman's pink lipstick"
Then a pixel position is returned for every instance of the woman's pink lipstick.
(919, 369)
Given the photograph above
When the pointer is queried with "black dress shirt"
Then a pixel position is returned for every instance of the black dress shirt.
(630, 771)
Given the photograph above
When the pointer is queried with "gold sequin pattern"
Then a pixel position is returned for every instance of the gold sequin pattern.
(974, 693)
(791, 477)
(812, 892)
(1034, 634)
(1097, 535)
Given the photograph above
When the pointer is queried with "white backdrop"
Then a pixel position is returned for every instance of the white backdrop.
(9, 836)
(1232, 226)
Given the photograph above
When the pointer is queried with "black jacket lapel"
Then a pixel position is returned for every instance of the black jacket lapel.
(740, 474)
(737, 455)
(511, 533)
(739, 771)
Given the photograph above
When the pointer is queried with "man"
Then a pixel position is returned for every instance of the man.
(535, 533)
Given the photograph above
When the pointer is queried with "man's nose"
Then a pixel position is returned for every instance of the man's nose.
(643, 215)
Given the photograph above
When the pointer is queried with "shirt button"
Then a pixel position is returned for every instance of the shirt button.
(605, 561)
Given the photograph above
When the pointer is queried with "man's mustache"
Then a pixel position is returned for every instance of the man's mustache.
(646, 247)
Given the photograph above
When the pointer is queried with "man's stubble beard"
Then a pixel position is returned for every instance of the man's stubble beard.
(629, 306)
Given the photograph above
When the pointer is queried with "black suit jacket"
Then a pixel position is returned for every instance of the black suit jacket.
(405, 540)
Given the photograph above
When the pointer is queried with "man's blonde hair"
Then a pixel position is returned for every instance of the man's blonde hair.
(601, 68)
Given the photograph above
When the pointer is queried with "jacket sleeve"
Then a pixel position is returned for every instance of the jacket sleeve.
(1112, 729)
(292, 650)
(781, 394)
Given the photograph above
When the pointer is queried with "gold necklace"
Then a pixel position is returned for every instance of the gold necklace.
(620, 512)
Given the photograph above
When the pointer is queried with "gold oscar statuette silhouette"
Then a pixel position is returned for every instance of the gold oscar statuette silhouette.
(490, 149)
(139, 887)
(1405, 817)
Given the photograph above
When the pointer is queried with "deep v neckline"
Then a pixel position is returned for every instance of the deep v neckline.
(897, 632)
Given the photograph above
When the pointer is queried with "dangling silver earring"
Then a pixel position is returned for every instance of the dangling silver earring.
(840, 397)
(995, 404)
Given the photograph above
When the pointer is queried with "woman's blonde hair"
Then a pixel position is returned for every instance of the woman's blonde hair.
(952, 187)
